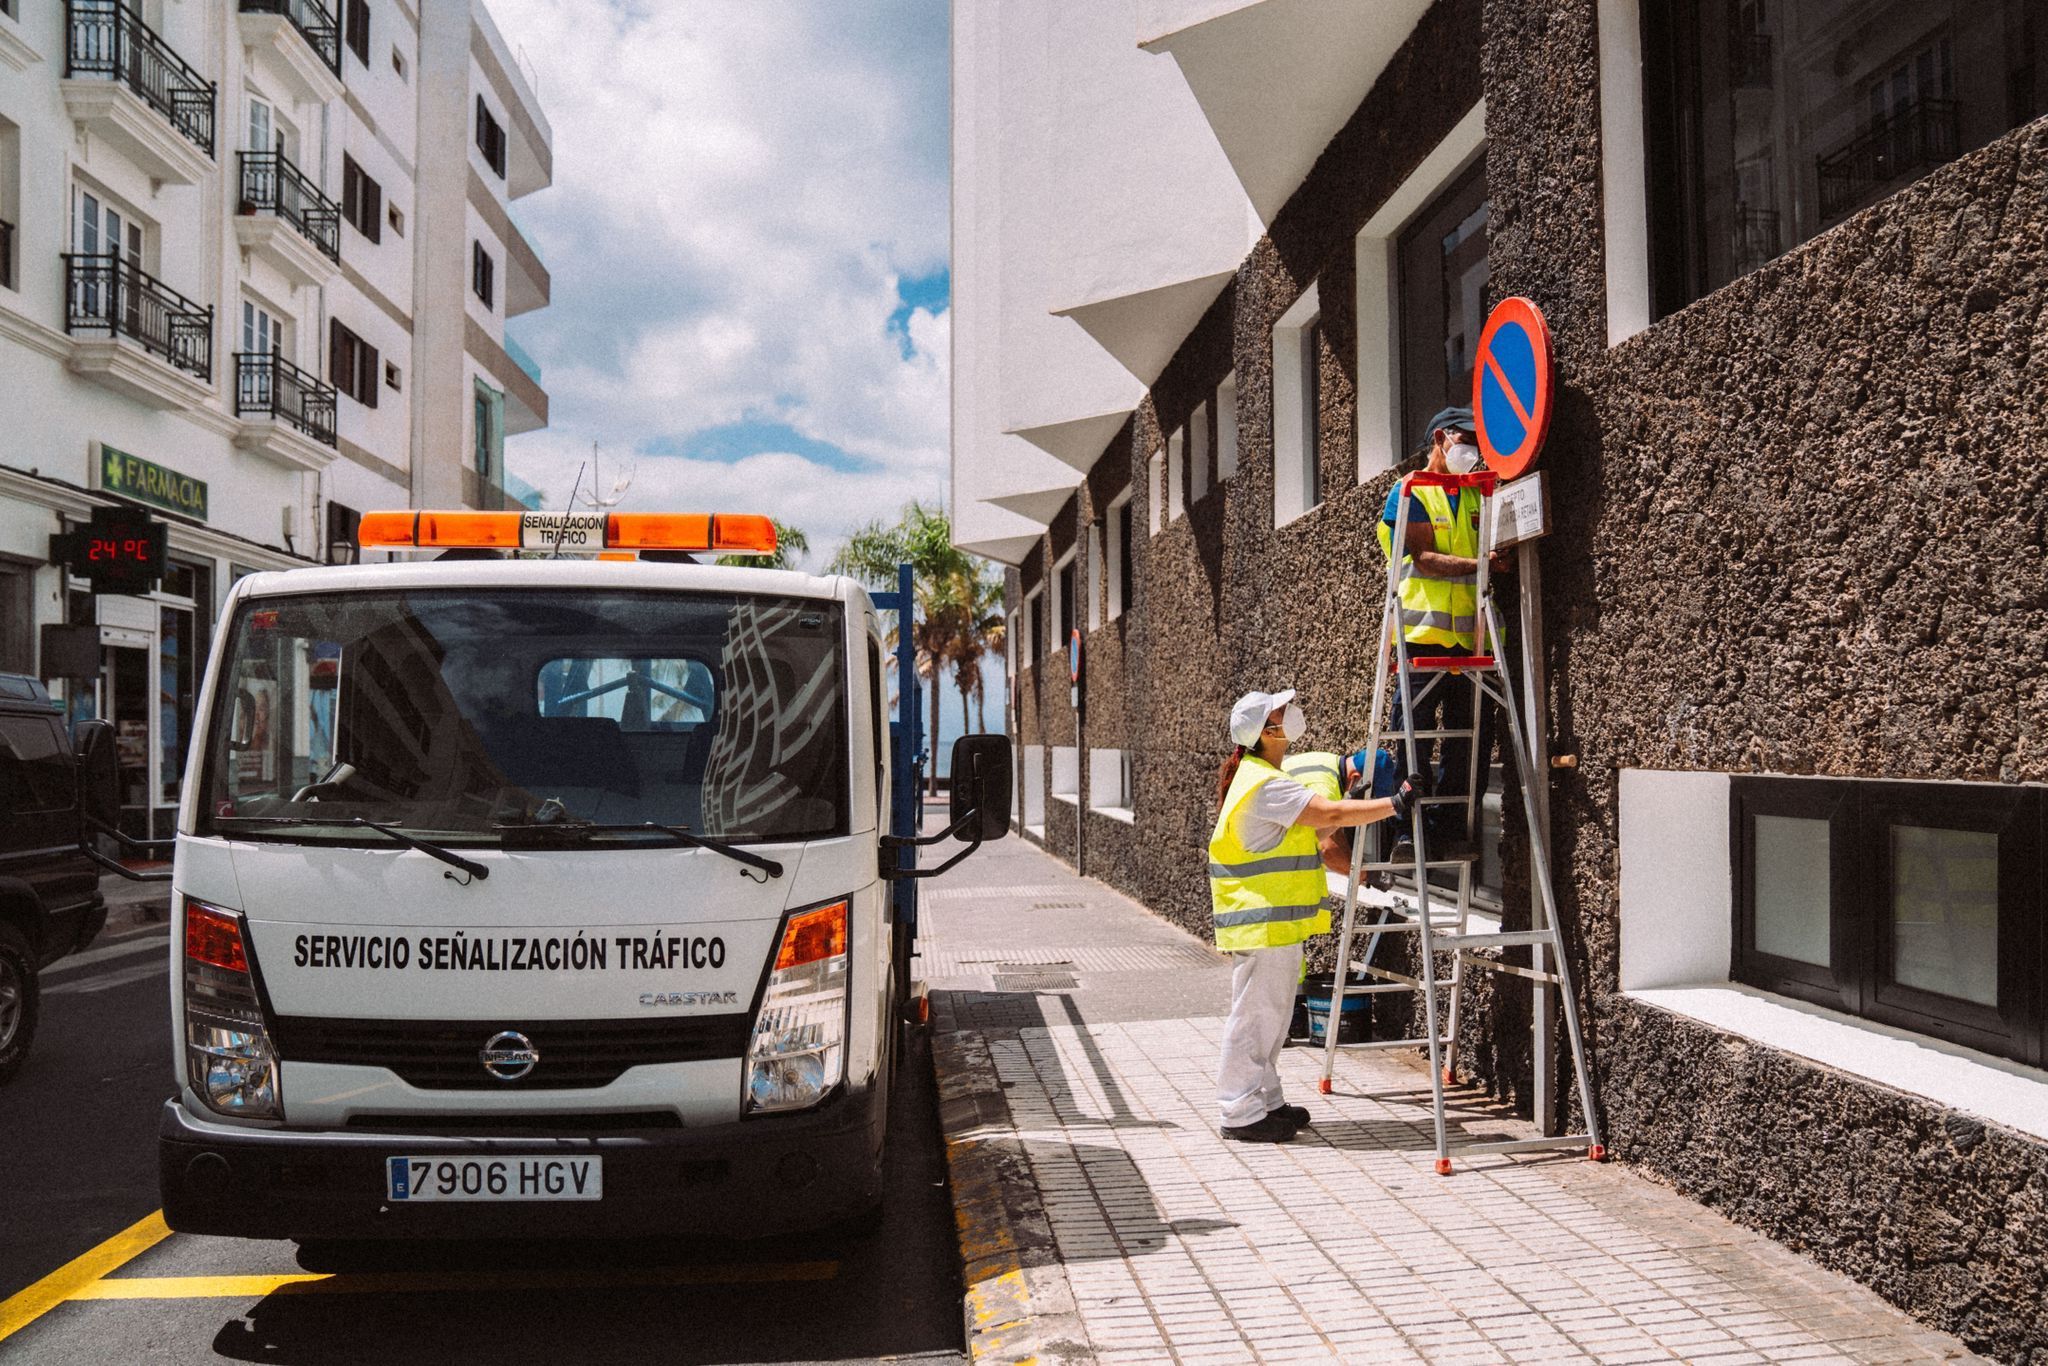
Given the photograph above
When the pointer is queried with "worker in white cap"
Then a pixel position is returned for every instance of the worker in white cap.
(1266, 885)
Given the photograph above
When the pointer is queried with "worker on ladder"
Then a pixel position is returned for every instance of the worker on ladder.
(1439, 616)
(1268, 893)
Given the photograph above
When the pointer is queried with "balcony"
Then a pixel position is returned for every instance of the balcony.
(6, 254)
(284, 217)
(135, 334)
(1915, 137)
(124, 84)
(301, 39)
(287, 415)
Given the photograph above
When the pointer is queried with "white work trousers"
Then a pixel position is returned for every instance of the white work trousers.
(1262, 990)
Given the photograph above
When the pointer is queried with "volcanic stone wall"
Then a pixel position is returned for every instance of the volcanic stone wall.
(1798, 526)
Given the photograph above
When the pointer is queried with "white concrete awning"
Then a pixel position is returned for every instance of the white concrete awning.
(1035, 505)
(1078, 441)
(1276, 79)
(1143, 329)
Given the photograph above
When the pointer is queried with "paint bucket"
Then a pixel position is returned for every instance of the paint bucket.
(1356, 1024)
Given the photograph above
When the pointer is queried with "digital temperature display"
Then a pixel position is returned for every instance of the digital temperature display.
(121, 550)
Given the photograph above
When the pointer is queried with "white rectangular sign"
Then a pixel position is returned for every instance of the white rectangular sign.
(1520, 511)
(573, 532)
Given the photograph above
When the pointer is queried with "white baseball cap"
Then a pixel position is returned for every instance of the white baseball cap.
(1248, 714)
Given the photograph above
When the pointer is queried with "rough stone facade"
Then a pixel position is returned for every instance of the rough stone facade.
(1799, 527)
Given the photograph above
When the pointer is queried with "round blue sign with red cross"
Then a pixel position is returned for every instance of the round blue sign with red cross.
(1511, 387)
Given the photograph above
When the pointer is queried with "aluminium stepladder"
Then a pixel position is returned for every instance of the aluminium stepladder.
(1435, 931)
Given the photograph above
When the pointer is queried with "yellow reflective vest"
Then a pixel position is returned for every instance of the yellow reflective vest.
(1271, 898)
(1440, 611)
(1320, 773)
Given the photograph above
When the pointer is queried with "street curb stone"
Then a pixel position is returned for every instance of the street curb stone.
(1018, 1305)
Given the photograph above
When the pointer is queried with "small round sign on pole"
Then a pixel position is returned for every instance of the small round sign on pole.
(1511, 387)
(1074, 668)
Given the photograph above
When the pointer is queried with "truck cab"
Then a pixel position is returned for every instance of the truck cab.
(543, 895)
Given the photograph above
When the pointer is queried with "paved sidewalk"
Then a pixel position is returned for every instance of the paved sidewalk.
(1102, 1218)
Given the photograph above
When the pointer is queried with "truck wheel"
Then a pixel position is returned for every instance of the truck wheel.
(20, 1001)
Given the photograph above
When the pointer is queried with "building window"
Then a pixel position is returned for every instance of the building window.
(1198, 453)
(1155, 487)
(17, 617)
(1065, 599)
(482, 272)
(355, 28)
(1031, 644)
(488, 431)
(362, 199)
(398, 63)
(1768, 123)
(1226, 427)
(1297, 398)
(1092, 585)
(490, 137)
(351, 364)
(1917, 905)
(396, 218)
(392, 380)
(1109, 783)
(1443, 277)
(342, 522)
(1176, 474)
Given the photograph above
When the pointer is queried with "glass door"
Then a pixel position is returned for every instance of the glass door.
(129, 674)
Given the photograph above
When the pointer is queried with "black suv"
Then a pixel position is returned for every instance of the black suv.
(50, 902)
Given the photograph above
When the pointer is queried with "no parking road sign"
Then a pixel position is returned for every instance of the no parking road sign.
(1511, 387)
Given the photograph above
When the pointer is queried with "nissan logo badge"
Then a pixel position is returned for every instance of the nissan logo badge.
(509, 1055)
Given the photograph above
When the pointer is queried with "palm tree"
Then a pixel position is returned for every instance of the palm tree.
(922, 538)
(976, 618)
(790, 542)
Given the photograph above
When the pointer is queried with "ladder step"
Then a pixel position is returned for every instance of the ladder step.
(1433, 734)
(1524, 1145)
(1450, 661)
(1460, 799)
(1547, 938)
(1512, 969)
(1389, 1043)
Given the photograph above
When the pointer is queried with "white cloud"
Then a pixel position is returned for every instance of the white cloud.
(738, 188)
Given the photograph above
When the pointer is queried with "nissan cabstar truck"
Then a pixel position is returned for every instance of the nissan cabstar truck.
(550, 884)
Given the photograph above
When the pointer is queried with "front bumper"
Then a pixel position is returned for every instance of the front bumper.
(752, 1178)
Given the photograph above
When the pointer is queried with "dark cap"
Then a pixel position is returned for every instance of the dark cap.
(1461, 418)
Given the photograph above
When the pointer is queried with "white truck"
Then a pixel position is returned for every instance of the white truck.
(525, 894)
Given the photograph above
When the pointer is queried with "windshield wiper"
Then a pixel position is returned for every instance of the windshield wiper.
(447, 856)
(681, 834)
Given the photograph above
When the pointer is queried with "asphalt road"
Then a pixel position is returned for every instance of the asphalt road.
(78, 1167)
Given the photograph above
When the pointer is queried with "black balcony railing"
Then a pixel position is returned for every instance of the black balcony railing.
(271, 386)
(1915, 137)
(320, 29)
(106, 294)
(271, 184)
(6, 254)
(1749, 59)
(110, 40)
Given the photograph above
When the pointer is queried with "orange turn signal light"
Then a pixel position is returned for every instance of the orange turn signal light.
(813, 935)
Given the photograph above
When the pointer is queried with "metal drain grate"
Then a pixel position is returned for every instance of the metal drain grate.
(1036, 981)
(1059, 905)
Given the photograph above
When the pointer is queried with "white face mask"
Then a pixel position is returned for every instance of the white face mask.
(1292, 723)
(1463, 458)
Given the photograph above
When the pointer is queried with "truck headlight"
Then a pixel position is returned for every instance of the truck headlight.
(798, 1052)
(229, 1060)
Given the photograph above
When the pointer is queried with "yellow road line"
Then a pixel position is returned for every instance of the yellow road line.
(432, 1282)
(25, 1307)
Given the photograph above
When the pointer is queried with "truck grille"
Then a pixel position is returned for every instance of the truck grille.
(445, 1055)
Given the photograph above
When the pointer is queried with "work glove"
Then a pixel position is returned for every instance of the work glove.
(1404, 799)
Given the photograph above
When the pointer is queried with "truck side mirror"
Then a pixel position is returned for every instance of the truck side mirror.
(99, 775)
(982, 785)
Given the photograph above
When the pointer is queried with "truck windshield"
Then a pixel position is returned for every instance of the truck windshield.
(454, 715)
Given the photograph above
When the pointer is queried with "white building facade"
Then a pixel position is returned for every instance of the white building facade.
(251, 284)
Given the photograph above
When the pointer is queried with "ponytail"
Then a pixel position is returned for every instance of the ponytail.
(1227, 776)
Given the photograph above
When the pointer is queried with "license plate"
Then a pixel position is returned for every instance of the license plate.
(412, 1179)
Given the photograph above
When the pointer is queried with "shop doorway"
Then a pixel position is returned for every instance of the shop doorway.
(127, 688)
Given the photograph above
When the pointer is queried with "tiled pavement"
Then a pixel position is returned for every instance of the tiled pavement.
(1103, 1219)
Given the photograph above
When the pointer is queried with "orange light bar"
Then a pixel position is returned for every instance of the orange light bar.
(611, 536)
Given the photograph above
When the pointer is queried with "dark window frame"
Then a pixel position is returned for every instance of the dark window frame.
(1422, 318)
(1858, 980)
(490, 137)
(483, 274)
(362, 200)
(1126, 556)
(355, 23)
(352, 364)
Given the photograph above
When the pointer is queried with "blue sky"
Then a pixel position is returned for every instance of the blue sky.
(747, 236)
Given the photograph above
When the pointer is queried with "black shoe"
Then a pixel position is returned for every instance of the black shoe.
(1271, 1129)
(1297, 1115)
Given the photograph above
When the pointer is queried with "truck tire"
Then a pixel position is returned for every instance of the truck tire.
(20, 1001)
